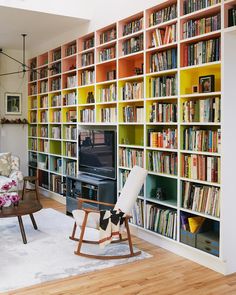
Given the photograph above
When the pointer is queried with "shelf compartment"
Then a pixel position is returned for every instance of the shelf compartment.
(106, 71)
(69, 167)
(70, 149)
(131, 135)
(69, 50)
(163, 137)
(189, 78)
(86, 42)
(69, 132)
(55, 131)
(130, 157)
(129, 112)
(130, 66)
(55, 164)
(85, 95)
(130, 25)
(42, 59)
(43, 145)
(86, 114)
(131, 90)
(161, 190)
(106, 113)
(56, 183)
(69, 114)
(55, 147)
(43, 177)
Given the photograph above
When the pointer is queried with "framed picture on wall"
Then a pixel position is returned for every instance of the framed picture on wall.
(13, 103)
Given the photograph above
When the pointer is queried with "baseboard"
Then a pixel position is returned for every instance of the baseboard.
(48, 194)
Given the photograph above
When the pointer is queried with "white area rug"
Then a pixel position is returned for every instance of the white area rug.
(49, 254)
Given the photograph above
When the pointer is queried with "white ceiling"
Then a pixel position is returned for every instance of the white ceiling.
(37, 26)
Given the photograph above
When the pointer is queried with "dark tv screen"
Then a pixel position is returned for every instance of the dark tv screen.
(97, 153)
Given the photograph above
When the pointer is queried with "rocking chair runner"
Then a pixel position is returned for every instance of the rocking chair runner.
(89, 218)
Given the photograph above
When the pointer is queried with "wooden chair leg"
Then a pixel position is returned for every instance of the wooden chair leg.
(72, 237)
(23, 190)
(83, 227)
(129, 236)
(36, 190)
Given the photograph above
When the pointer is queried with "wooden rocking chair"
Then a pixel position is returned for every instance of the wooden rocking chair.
(89, 218)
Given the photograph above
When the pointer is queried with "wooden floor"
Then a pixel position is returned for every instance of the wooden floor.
(164, 273)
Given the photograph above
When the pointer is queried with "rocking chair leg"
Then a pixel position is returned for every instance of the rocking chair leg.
(72, 237)
(129, 237)
(82, 234)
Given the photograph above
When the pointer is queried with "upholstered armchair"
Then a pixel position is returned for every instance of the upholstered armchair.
(11, 182)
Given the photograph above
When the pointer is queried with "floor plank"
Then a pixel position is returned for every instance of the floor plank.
(163, 274)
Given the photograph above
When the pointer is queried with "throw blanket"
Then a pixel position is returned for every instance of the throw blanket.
(110, 225)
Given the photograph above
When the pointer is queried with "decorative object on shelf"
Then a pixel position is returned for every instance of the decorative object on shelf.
(14, 121)
(207, 83)
(90, 97)
(139, 71)
(6, 200)
(158, 193)
(12, 103)
(195, 88)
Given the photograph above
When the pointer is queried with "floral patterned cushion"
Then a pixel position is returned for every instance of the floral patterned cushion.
(5, 164)
(7, 185)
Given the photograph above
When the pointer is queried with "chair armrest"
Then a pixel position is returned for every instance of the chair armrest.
(82, 200)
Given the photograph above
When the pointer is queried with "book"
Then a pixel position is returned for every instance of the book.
(195, 223)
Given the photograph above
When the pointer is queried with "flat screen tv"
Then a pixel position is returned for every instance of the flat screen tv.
(97, 153)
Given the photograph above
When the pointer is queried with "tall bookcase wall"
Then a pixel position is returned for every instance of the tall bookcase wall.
(156, 78)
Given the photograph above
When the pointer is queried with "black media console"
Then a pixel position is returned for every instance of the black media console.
(89, 187)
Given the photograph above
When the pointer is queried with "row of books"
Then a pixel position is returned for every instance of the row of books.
(133, 26)
(56, 69)
(87, 115)
(43, 86)
(43, 146)
(55, 183)
(33, 159)
(133, 114)
(33, 89)
(138, 213)
(87, 77)
(164, 60)
(71, 49)
(43, 73)
(43, 179)
(123, 175)
(204, 25)
(232, 17)
(163, 86)
(107, 94)
(71, 81)
(87, 59)
(201, 198)
(202, 110)
(33, 117)
(33, 144)
(34, 104)
(202, 52)
(71, 149)
(70, 168)
(131, 157)
(33, 131)
(132, 90)
(108, 36)
(194, 5)
(132, 45)
(56, 132)
(164, 36)
(33, 76)
(56, 84)
(56, 164)
(166, 138)
(56, 55)
(43, 131)
(56, 116)
(71, 116)
(162, 162)
(111, 75)
(71, 132)
(202, 140)
(44, 116)
(162, 221)
(56, 100)
(199, 167)
(163, 15)
(163, 112)
(108, 115)
(69, 98)
(43, 101)
(89, 43)
(107, 53)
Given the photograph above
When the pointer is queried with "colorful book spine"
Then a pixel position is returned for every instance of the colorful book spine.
(190, 6)
(164, 60)
(162, 162)
(163, 112)
(163, 86)
(133, 26)
(132, 45)
(131, 157)
(132, 90)
(163, 15)
(166, 138)
(164, 36)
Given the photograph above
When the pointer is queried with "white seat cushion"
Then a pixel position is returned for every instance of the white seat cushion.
(7, 185)
(93, 218)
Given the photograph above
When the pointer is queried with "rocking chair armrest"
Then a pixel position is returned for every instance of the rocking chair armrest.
(89, 210)
(82, 200)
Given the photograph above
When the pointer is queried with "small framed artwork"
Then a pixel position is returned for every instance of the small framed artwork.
(13, 103)
(207, 83)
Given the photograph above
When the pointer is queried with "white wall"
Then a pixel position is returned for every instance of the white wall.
(13, 138)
